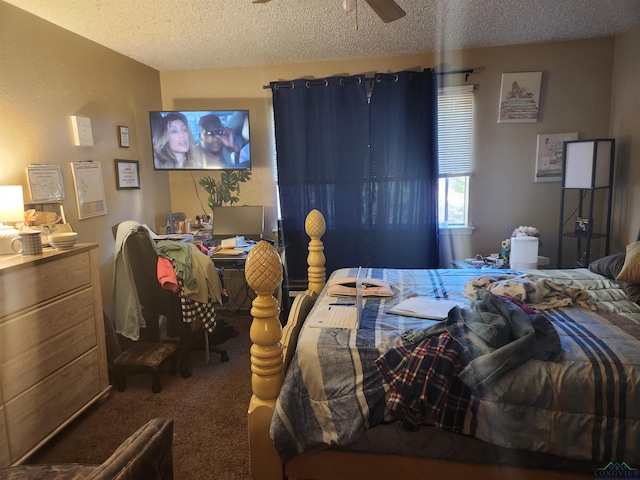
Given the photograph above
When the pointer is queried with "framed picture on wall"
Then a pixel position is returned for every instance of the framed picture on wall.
(549, 156)
(127, 174)
(520, 97)
(45, 183)
(123, 136)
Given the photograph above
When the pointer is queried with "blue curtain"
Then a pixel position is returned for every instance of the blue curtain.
(369, 164)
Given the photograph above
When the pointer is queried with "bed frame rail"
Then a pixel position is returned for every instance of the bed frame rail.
(263, 272)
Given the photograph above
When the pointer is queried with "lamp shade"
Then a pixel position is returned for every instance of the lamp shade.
(11, 203)
(588, 163)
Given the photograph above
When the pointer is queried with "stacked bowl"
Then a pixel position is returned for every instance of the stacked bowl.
(63, 241)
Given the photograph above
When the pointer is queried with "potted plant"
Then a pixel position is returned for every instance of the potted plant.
(226, 191)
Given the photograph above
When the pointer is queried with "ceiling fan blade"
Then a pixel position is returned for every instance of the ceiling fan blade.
(387, 10)
(259, 1)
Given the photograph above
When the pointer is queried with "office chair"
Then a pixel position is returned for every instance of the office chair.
(156, 300)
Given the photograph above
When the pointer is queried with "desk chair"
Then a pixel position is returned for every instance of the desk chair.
(156, 301)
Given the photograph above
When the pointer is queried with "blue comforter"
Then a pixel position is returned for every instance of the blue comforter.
(583, 406)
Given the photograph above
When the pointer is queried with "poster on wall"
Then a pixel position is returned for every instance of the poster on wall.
(519, 97)
(87, 179)
(549, 156)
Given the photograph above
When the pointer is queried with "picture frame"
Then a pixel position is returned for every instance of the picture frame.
(45, 183)
(519, 97)
(127, 174)
(89, 188)
(549, 156)
(123, 136)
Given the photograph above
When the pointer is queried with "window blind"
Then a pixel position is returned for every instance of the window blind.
(455, 128)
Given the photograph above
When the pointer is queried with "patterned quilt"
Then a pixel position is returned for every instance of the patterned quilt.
(584, 406)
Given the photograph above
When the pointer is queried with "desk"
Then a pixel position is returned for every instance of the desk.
(240, 295)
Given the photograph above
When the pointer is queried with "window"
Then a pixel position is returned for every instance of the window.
(455, 128)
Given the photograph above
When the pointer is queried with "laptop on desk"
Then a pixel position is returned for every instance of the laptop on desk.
(340, 315)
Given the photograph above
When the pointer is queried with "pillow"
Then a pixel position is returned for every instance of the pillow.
(609, 266)
(631, 269)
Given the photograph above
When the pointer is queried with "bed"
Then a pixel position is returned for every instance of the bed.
(564, 411)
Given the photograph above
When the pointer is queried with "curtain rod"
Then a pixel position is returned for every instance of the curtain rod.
(466, 72)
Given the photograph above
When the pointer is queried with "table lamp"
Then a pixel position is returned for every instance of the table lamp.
(11, 210)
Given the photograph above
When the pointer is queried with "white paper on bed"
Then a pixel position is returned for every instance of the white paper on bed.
(340, 315)
(424, 307)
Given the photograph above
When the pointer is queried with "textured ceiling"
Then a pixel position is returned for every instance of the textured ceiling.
(196, 34)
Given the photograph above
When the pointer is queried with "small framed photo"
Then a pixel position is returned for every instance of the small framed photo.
(127, 174)
(123, 136)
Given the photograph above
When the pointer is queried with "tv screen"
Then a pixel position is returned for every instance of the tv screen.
(200, 140)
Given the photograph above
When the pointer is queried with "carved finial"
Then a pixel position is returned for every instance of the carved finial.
(314, 224)
(262, 267)
(315, 227)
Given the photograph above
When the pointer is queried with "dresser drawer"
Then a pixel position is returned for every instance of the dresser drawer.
(24, 287)
(36, 413)
(25, 332)
(22, 371)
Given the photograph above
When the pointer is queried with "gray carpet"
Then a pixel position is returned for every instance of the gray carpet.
(209, 410)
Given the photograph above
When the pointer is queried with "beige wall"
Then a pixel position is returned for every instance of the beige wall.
(47, 75)
(625, 127)
(575, 97)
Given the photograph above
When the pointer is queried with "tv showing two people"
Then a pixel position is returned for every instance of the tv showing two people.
(200, 140)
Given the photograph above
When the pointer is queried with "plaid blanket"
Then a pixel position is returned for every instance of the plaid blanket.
(424, 383)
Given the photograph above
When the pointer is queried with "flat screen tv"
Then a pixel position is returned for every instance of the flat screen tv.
(200, 140)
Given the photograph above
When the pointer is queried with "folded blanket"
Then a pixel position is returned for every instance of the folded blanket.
(529, 290)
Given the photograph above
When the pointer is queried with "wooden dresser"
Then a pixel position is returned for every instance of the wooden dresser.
(53, 362)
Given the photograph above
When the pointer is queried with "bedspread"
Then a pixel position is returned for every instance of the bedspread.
(584, 406)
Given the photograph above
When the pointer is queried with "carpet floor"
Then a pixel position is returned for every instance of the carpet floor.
(209, 410)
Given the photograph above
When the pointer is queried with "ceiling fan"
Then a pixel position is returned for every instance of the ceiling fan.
(387, 10)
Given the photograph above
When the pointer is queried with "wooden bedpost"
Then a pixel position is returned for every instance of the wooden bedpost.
(315, 227)
(263, 272)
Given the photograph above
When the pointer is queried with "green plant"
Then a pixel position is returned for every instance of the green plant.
(227, 189)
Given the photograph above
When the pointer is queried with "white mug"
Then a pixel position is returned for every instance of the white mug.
(30, 243)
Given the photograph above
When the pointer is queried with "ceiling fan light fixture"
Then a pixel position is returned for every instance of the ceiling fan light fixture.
(349, 5)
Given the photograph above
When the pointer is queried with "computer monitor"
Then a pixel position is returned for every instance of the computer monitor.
(247, 221)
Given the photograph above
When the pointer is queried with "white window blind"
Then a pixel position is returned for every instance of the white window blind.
(455, 122)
